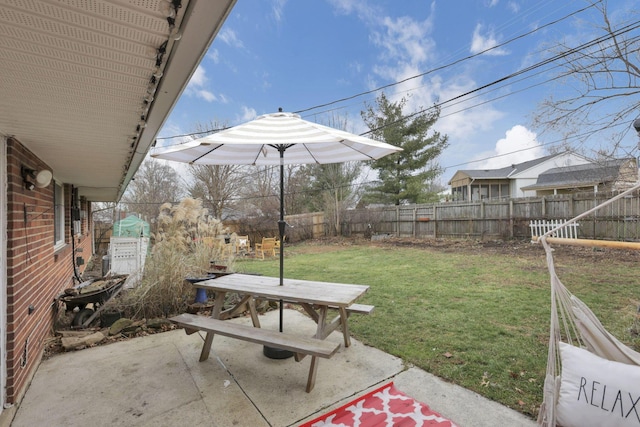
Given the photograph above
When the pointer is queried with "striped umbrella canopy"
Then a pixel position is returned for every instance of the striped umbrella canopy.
(277, 139)
(273, 139)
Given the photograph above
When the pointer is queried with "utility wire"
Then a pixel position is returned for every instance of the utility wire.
(409, 78)
(539, 64)
(433, 70)
(479, 90)
(364, 184)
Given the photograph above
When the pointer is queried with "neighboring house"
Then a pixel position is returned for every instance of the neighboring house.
(610, 175)
(478, 184)
(85, 87)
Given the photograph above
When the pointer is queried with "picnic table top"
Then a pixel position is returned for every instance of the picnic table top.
(294, 290)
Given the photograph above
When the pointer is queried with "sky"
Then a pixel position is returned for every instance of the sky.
(300, 55)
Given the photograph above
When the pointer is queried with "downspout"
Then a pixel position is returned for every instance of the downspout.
(73, 239)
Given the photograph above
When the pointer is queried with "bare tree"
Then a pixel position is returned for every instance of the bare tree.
(218, 186)
(600, 82)
(330, 187)
(104, 212)
(154, 183)
(259, 202)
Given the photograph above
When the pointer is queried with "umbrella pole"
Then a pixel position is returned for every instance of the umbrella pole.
(271, 352)
(281, 225)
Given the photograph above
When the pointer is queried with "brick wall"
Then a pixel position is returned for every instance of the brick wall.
(36, 273)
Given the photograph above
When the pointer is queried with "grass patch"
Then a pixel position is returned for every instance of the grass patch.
(475, 317)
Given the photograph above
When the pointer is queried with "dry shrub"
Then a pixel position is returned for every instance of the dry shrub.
(185, 244)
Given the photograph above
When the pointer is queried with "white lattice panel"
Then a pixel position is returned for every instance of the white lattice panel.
(128, 255)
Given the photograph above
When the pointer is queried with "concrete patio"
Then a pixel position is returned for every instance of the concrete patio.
(158, 381)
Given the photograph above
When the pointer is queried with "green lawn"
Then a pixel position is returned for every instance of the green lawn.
(475, 316)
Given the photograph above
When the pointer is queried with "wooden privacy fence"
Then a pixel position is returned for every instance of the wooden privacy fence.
(500, 219)
(486, 219)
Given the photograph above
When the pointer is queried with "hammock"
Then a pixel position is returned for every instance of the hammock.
(578, 338)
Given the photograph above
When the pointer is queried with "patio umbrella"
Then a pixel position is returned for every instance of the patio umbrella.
(277, 139)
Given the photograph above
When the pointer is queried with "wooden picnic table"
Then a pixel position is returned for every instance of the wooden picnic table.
(316, 298)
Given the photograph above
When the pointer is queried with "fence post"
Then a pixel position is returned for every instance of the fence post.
(415, 221)
(435, 221)
(571, 207)
(511, 231)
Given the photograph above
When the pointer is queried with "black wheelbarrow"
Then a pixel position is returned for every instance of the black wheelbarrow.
(96, 292)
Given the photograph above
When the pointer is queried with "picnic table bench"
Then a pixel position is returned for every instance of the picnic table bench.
(297, 344)
(315, 297)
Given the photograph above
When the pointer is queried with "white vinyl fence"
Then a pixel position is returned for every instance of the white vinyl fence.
(128, 255)
(541, 226)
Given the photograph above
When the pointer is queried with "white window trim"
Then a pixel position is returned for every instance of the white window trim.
(58, 216)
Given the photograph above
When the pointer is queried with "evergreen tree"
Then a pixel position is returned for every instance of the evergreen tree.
(404, 177)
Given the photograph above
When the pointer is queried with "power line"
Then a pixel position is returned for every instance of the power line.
(539, 64)
(479, 90)
(520, 36)
(449, 64)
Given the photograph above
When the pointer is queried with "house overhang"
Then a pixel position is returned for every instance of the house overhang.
(87, 86)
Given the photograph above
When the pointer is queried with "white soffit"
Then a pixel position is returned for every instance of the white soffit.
(74, 76)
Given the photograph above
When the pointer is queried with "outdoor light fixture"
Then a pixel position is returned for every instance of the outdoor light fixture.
(32, 178)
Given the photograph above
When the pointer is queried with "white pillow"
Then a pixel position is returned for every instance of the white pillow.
(597, 392)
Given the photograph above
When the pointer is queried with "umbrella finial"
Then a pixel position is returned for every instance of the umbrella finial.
(279, 109)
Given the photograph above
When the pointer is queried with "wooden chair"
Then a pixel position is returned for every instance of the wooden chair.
(267, 246)
(277, 246)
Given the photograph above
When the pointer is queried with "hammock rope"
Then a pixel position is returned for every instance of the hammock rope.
(574, 323)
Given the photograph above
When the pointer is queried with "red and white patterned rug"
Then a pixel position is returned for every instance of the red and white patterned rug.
(385, 407)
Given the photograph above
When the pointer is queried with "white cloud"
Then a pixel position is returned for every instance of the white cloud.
(199, 77)
(481, 42)
(214, 55)
(519, 145)
(230, 37)
(356, 67)
(365, 11)
(206, 95)
(513, 6)
(407, 49)
(278, 7)
(459, 119)
(405, 39)
(197, 86)
(247, 114)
